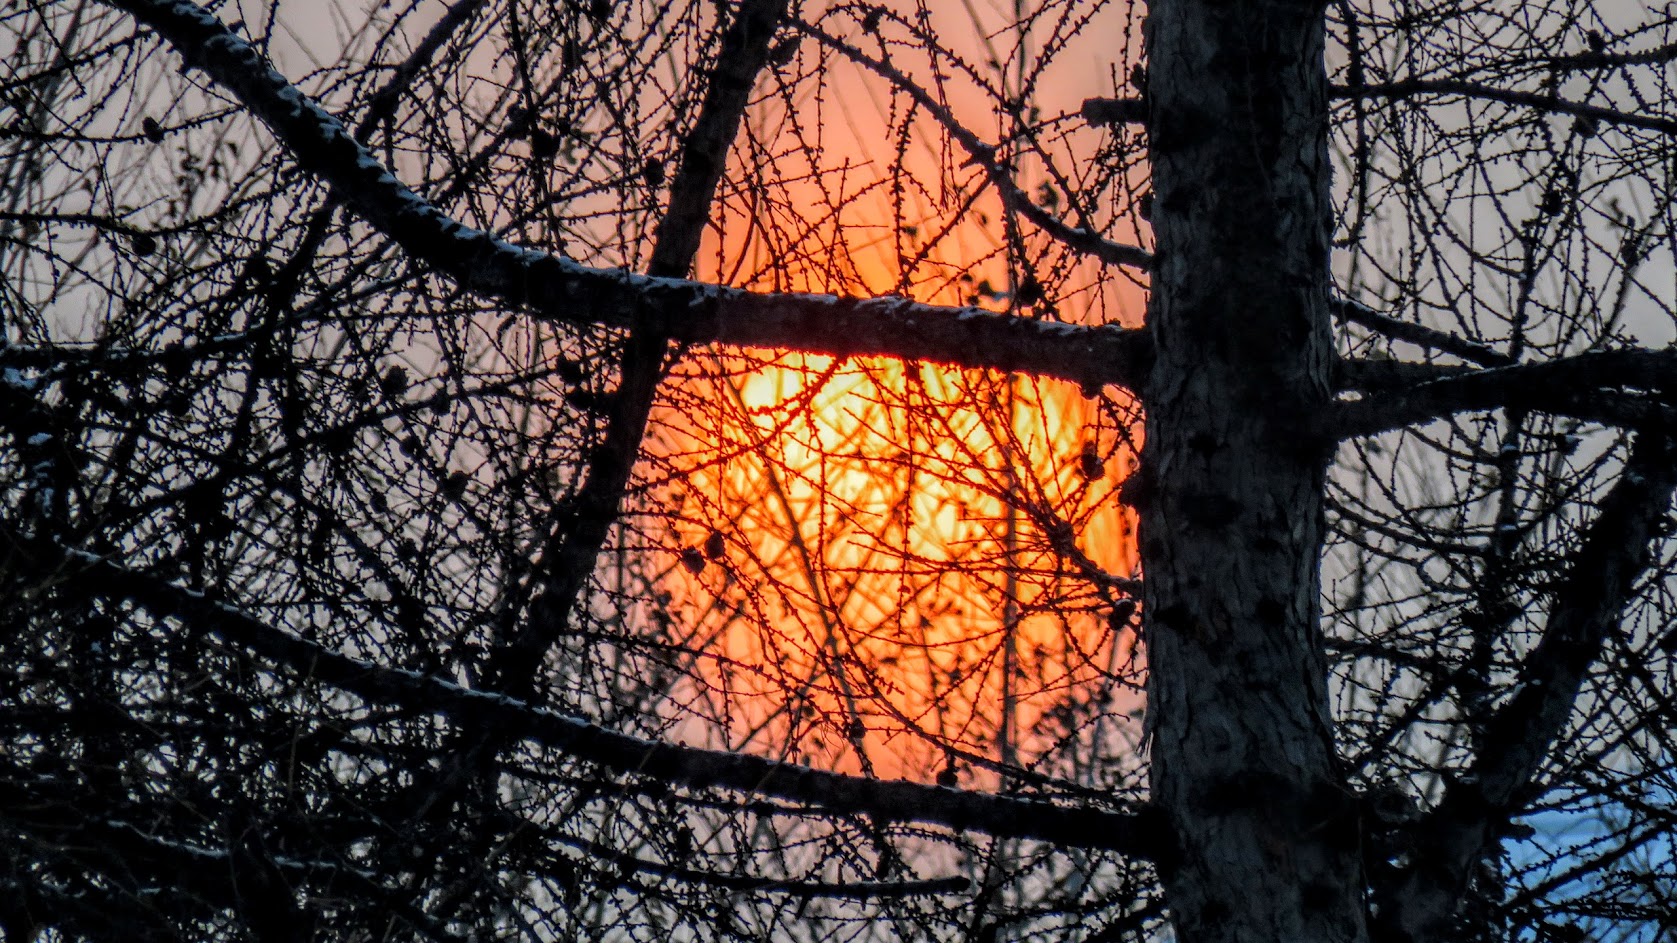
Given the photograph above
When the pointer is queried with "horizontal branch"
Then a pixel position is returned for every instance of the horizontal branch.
(1575, 386)
(1384, 324)
(148, 847)
(1658, 55)
(562, 290)
(1108, 111)
(832, 793)
(599, 851)
(1543, 101)
(559, 289)
(1105, 111)
(1372, 375)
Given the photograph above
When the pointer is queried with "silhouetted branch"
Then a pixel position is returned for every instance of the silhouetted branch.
(1659, 55)
(1104, 111)
(1588, 604)
(1419, 335)
(562, 290)
(833, 793)
(1109, 111)
(1543, 101)
(1573, 386)
(382, 106)
(743, 884)
(583, 525)
(1371, 375)
(984, 156)
(141, 851)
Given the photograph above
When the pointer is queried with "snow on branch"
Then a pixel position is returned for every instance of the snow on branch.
(562, 290)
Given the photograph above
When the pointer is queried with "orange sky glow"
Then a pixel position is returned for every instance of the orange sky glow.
(873, 554)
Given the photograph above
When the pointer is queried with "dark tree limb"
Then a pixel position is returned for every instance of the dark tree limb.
(560, 290)
(382, 106)
(1107, 111)
(1542, 101)
(1590, 386)
(1419, 335)
(1368, 375)
(584, 524)
(983, 156)
(144, 850)
(1417, 905)
(745, 884)
(1042, 820)
(1581, 61)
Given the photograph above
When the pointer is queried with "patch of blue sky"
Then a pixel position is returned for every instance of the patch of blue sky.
(1601, 870)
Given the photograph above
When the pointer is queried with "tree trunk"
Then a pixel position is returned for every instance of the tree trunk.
(1231, 495)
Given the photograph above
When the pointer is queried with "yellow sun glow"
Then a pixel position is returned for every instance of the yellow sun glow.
(893, 569)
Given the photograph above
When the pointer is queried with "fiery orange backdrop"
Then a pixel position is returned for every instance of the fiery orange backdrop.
(895, 570)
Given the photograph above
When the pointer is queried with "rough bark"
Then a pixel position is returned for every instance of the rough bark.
(1231, 498)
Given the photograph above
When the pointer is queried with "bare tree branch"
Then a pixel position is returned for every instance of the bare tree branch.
(569, 559)
(237, 875)
(984, 155)
(1569, 386)
(1588, 604)
(382, 106)
(562, 290)
(1548, 102)
(833, 793)
(1419, 335)
(1659, 55)
(807, 890)
(1105, 111)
